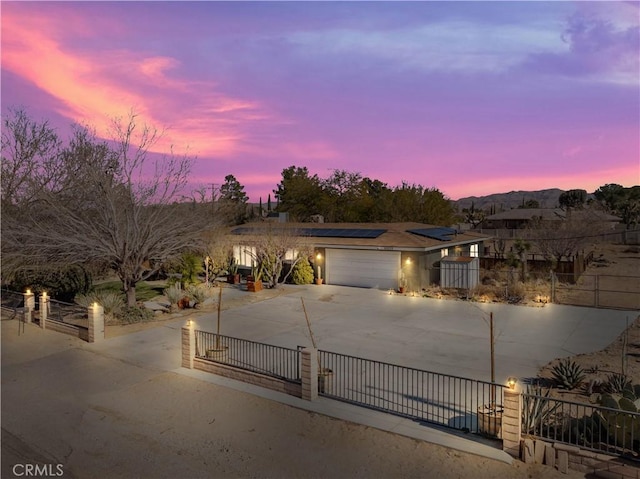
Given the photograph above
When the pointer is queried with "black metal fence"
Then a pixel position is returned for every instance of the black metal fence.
(274, 361)
(597, 428)
(12, 303)
(60, 311)
(460, 403)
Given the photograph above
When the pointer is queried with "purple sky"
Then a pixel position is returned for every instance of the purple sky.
(472, 98)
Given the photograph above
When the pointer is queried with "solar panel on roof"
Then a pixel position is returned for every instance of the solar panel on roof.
(342, 232)
(322, 232)
(440, 234)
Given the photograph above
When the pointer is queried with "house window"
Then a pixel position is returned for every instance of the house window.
(444, 252)
(244, 255)
(291, 255)
(474, 251)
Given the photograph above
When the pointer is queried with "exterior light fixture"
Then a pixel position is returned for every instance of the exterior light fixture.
(319, 256)
(511, 382)
(28, 291)
(408, 261)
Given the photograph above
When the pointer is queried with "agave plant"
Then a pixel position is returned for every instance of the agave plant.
(537, 408)
(568, 374)
(111, 301)
(617, 383)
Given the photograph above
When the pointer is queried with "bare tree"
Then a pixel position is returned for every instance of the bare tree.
(29, 152)
(114, 204)
(219, 250)
(566, 238)
(271, 246)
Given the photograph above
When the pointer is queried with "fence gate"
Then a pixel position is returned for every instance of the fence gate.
(460, 403)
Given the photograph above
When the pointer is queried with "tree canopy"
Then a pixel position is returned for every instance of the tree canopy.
(92, 201)
(348, 197)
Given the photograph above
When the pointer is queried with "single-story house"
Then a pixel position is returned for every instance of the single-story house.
(372, 255)
(519, 218)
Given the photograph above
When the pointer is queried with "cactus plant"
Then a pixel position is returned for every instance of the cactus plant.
(568, 374)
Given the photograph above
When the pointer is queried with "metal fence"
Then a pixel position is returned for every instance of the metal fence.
(597, 428)
(597, 290)
(12, 303)
(60, 311)
(274, 361)
(460, 403)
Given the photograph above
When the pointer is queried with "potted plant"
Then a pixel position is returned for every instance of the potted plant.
(254, 282)
(319, 276)
(403, 283)
(233, 277)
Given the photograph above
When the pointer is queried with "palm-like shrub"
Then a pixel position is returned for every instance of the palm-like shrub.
(568, 374)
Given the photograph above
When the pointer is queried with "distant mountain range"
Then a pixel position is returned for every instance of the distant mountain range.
(513, 199)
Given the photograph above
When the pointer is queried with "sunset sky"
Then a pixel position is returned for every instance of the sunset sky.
(472, 98)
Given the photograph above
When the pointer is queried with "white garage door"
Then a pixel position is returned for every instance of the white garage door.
(369, 269)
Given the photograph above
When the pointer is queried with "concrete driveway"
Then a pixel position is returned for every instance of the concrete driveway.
(450, 337)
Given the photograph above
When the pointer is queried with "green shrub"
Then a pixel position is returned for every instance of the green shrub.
(302, 272)
(61, 283)
(191, 267)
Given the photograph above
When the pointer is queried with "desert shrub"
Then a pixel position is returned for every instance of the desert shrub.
(302, 272)
(60, 283)
(111, 302)
(197, 293)
(134, 314)
(174, 294)
(568, 374)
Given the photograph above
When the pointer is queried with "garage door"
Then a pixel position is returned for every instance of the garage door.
(365, 268)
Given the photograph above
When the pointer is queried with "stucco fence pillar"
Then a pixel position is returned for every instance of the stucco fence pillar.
(29, 306)
(309, 373)
(44, 310)
(512, 422)
(188, 345)
(96, 322)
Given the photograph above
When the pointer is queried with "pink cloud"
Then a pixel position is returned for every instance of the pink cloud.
(98, 87)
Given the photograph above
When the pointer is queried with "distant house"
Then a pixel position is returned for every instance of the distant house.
(374, 255)
(521, 218)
